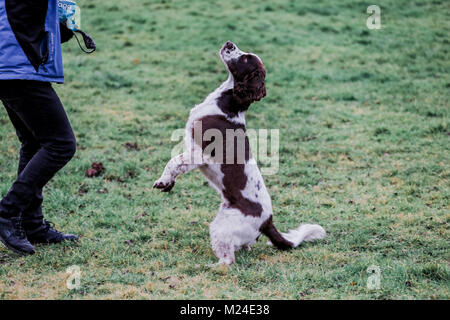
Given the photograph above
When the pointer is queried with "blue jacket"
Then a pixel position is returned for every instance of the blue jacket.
(30, 41)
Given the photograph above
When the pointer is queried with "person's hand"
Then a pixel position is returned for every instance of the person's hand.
(66, 33)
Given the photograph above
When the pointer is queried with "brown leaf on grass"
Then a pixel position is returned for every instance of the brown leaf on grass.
(95, 170)
(98, 166)
(131, 146)
(91, 173)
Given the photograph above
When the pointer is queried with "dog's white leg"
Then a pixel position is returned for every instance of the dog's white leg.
(222, 239)
(225, 253)
(176, 166)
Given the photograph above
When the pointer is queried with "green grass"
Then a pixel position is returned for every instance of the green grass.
(364, 151)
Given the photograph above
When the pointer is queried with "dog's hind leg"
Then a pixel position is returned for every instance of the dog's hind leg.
(230, 231)
(225, 252)
(222, 240)
(176, 166)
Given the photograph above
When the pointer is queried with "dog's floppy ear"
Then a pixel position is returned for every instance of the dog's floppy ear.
(251, 88)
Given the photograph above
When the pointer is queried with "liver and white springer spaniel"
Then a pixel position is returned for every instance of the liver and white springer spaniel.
(246, 209)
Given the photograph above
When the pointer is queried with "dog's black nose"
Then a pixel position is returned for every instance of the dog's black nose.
(229, 45)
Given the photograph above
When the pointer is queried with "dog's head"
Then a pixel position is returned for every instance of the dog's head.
(248, 73)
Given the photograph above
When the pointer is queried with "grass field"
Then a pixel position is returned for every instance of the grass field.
(364, 151)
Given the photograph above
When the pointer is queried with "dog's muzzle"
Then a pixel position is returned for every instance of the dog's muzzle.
(230, 52)
(228, 47)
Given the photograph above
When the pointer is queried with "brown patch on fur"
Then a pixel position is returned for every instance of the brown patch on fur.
(269, 230)
(229, 105)
(252, 88)
(249, 75)
(234, 179)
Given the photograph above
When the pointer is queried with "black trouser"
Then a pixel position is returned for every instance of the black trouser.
(48, 144)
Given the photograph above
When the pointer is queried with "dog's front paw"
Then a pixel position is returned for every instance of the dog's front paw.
(164, 185)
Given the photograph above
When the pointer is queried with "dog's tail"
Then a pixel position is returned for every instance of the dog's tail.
(292, 239)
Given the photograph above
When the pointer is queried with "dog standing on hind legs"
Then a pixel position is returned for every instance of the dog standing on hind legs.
(246, 209)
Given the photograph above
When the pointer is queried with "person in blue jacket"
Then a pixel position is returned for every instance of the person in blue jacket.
(30, 60)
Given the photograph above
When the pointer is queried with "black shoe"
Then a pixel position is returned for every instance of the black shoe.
(48, 235)
(13, 236)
